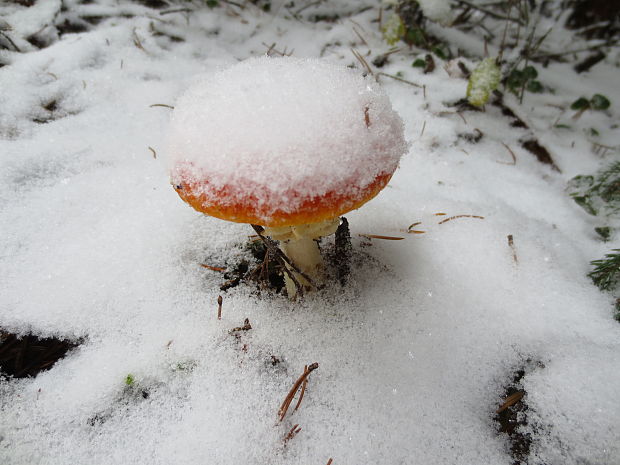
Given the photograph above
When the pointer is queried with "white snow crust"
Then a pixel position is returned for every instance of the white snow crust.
(414, 353)
(280, 131)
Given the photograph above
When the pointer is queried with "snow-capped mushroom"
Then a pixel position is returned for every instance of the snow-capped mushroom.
(289, 144)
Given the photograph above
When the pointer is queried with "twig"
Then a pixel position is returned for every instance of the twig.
(308, 5)
(291, 394)
(10, 41)
(361, 59)
(423, 128)
(360, 37)
(161, 105)
(154, 152)
(176, 10)
(246, 327)
(512, 154)
(460, 216)
(490, 13)
(399, 79)
(219, 307)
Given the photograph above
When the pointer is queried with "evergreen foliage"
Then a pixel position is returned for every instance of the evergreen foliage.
(599, 193)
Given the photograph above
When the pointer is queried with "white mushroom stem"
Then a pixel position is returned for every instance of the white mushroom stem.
(299, 244)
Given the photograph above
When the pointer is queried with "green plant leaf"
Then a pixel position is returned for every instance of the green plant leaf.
(130, 380)
(393, 29)
(581, 103)
(529, 72)
(534, 86)
(419, 63)
(604, 232)
(599, 102)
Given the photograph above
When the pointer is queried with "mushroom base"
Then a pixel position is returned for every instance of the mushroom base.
(299, 244)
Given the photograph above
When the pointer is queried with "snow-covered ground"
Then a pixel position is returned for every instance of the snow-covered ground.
(414, 353)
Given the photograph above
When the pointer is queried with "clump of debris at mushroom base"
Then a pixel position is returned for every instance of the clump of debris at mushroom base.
(288, 144)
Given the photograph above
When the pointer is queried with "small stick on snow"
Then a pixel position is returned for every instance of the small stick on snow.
(219, 307)
(512, 154)
(423, 128)
(292, 433)
(401, 80)
(289, 397)
(511, 400)
(511, 244)
(246, 327)
(387, 238)
(161, 105)
(460, 216)
(153, 151)
(361, 37)
(413, 225)
(361, 59)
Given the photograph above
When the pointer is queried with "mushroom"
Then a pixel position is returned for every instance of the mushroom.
(289, 144)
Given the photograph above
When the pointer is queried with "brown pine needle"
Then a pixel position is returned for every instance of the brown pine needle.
(303, 390)
(414, 231)
(161, 105)
(291, 394)
(511, 400)
(292, 433)
(511, 244)
(219, 307)
(387, 238)
(461, 216)
(413, 225)
(213, 268)
(512, 154)
(440, 214)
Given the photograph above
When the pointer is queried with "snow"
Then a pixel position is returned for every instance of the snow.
(414, 353)
(278, 132)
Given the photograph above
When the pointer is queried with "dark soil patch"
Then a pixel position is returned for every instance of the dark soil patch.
(511, 416)
(27, 356)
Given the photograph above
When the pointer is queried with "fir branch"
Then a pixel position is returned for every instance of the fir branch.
(606, 272)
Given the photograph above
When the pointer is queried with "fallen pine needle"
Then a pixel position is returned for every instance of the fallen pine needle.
(213, 268)
(154, 152)
(511, 400)
(512, 154)
(413, 225)
(440, 214)
(292, 433)
(161, 105)
(387, 238)
(414, 231)
(461, 216)
(291, 394)
(219, 307)
(303, 390)
(511, 244)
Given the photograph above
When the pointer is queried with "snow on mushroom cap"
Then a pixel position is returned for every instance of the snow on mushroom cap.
(267, 137)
